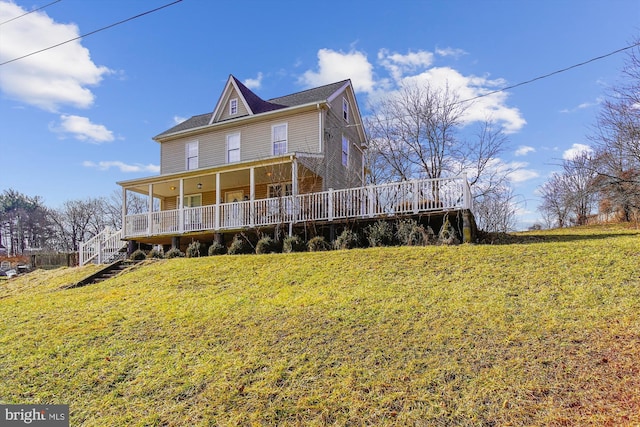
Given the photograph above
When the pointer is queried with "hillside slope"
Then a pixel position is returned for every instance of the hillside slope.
(544, 333)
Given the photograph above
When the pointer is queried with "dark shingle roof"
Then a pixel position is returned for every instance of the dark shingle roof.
(258, 105)
(317, 94)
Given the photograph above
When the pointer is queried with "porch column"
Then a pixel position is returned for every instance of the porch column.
(124, 212)
(252, 195)
(294, 192)
(181, 207)
(216, 224)
(150, 212)
(294, 176)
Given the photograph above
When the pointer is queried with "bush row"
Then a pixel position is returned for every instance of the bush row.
(382, 233)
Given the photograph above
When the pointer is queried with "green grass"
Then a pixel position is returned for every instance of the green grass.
(541, 333)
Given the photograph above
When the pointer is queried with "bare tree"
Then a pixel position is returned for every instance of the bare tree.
(77, 221)
(416, 134)
(495, 210)
(617, 140)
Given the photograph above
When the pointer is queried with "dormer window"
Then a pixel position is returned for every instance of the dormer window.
(345, 110)
(233, 106)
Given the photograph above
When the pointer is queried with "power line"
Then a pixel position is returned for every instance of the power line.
(34, 10)
(550, 74)
(92, 32)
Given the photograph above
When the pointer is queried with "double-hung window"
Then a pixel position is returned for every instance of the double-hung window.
(345, 110)
(279, 190)
(233, 106)
(279, 138)
(345, 151)
(233, 148)
(191, 154)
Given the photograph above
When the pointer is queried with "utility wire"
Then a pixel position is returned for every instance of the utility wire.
(24, 14)
(92, 32)
(548, 75)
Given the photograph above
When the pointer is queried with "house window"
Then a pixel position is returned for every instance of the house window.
(191, 154)
(233, 148)
(279, 138)
(279, 190)
(233, 106)
(345, 109)
(345, 151)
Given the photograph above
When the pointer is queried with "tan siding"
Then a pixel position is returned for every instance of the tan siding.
(255, 142)
(242, 110)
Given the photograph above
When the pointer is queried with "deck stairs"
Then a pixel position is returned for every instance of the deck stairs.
(109, 271)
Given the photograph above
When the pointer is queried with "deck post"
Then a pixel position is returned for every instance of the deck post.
(416, 197)
(371, 202)
(150, 213)
(330, 204)
(252, 196)
(124, 212)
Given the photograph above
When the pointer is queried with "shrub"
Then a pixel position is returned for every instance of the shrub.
(293, 244)
(317, 244)
(174, 253)
(239, 246)
(266, 245)
(217, 248)
(447, 235)
(138, 255)
(196, 249)
(410, 233)
(346, 240)
(380, 234)
(155, 254)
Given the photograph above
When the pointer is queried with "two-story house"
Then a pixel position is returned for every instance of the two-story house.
(285, 162)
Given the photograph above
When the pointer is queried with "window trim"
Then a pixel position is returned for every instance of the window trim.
(233, 106)
(187, 149)
(345, 109)
(286, 139)
(345, 154)
(228, 151)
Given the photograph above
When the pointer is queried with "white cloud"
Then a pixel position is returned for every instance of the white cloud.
(123, 167)
(523, 150)
(583, 106)
(254, 83)
(415, 68)
(398, 65)
(178, 119)
(82, 129)
(575, 151)
(449, 51)
(334, 66)
(491, 106)
(52, 78)
(522, 175)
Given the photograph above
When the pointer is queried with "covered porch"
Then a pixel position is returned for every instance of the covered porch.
(285, 205)
(228, 197)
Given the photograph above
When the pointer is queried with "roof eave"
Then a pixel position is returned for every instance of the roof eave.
(231, 122)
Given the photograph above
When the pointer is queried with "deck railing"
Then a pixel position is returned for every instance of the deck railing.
(374, 201)
(102, 248)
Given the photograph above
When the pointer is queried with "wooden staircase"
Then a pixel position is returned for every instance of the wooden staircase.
(106, 273)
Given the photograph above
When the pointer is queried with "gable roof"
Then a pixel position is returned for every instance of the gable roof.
(257, 105)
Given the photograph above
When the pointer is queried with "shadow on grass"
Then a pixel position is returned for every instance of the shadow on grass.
(510, 239)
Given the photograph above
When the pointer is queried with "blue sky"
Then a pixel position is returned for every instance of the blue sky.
(77, 118)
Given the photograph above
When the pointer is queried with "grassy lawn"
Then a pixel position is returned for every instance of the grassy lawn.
(539, 333)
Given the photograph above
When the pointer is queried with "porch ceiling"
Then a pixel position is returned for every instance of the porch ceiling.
(205, 180)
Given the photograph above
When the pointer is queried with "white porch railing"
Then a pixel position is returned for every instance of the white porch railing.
(101, 248)
(374, 201)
